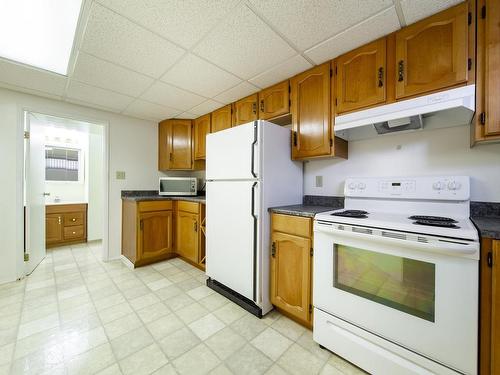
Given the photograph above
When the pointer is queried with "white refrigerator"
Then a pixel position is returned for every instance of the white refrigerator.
(248, 170)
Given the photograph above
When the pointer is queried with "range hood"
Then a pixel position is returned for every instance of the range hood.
(453, 107)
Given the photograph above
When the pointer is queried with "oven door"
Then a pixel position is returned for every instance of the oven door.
(425, 301)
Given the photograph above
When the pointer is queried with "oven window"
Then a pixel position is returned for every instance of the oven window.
(404, 284)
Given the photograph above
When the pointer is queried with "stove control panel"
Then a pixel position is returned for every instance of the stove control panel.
(440, 188)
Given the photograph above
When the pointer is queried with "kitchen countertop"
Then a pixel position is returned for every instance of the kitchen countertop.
(152, 195)
(300, 210)
(63, 203)
(488, 226)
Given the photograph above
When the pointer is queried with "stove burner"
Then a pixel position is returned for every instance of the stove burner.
(436, 223)
(432, 218)
(359, 214)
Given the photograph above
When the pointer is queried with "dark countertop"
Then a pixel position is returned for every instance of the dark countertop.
(488, 226)
(152, 195)
(300, 210)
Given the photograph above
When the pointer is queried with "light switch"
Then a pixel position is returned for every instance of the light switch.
(120, 175)
(319, 181)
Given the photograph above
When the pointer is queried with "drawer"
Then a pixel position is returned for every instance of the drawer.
(296, 225)
(73, 218)
(186, 206)
(147, 206)
(74, 233)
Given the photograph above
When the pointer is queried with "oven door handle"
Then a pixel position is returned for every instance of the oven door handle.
(453, 247)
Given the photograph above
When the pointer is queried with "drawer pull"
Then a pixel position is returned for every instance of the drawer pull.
(74, 232)
(73, 220)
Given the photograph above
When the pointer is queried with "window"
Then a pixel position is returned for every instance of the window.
(404, 284)
(63, 164)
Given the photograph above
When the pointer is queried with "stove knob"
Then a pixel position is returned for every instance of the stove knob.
(352, 186)
(438, 185)
(362, 186)
(454, 185)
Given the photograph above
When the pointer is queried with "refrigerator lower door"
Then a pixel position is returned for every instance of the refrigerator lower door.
(232, 235)
(233, 153)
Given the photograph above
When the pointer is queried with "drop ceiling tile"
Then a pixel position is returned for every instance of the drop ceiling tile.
(165, 94)
(27, 77)
(95, 95)
(199, 76)
(289, 68)
(116, 39)
(244, 45)
(150, 111)
(187, 115)
(308, 22)
(237, 92)
(100, 73)
(182, 21)
(205, 107)
(375, 27)
(417, 10)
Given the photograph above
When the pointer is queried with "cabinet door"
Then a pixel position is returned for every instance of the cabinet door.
(245, 110)
(291, 274)
(155, 234)
(495, 309)
(432, 54)
(187, 235)
(53, 228)
(311, 113)
(361, 77)
(201, 129)
(163, 146)
(274, 101)
(181, 148)
(221, 118)
(492, 68)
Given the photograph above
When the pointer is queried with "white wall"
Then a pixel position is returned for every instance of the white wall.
(132, 148)
(434, 152)
(95, 163)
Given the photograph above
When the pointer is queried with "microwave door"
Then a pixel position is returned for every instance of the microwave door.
(178, 186)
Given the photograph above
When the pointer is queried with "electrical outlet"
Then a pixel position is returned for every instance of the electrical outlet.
(319, 181)
(120, 175)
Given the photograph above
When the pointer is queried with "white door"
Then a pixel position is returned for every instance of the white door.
(34, 192)
(232, 243)
(234, 153)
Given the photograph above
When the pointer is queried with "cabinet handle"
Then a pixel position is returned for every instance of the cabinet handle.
(74, 232)
(171, 157)
(59, 220)
(196, 226)
(73, 220)
(380, 77)
(295, 139)
(273, 250)
(254, 108)
(401, 70)
(262, 105)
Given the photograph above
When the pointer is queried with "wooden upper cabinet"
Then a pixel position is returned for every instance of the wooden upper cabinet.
(274, 101)
(201, 129)
(155, 234)
(222, 118)
(175, 145)
(432, 54)
(246, 110)
(311, 116)
(360, 80)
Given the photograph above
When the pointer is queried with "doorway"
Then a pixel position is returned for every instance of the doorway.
(65, 185)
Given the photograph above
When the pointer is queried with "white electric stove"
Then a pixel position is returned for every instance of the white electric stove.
(396, 276)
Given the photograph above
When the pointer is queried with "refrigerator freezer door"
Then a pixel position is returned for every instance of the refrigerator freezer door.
(233, 154)
(232, 234)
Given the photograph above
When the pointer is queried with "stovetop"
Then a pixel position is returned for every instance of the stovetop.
(454, 227)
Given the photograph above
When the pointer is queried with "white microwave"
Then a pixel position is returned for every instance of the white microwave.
(178, 186)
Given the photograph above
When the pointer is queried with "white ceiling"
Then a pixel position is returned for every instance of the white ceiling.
(156, 59)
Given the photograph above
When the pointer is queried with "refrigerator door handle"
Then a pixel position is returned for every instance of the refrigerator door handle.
(255, 218)
(254, 143)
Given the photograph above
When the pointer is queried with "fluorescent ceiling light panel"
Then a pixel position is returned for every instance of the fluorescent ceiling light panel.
(39, 32)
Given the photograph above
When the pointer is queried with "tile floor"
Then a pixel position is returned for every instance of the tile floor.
(78, 315)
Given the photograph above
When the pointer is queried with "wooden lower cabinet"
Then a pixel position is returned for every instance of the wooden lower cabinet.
(65, 224)
(291, 266)
(157, 230)
(489, 340)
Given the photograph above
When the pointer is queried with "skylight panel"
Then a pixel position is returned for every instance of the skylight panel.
(39, 32)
